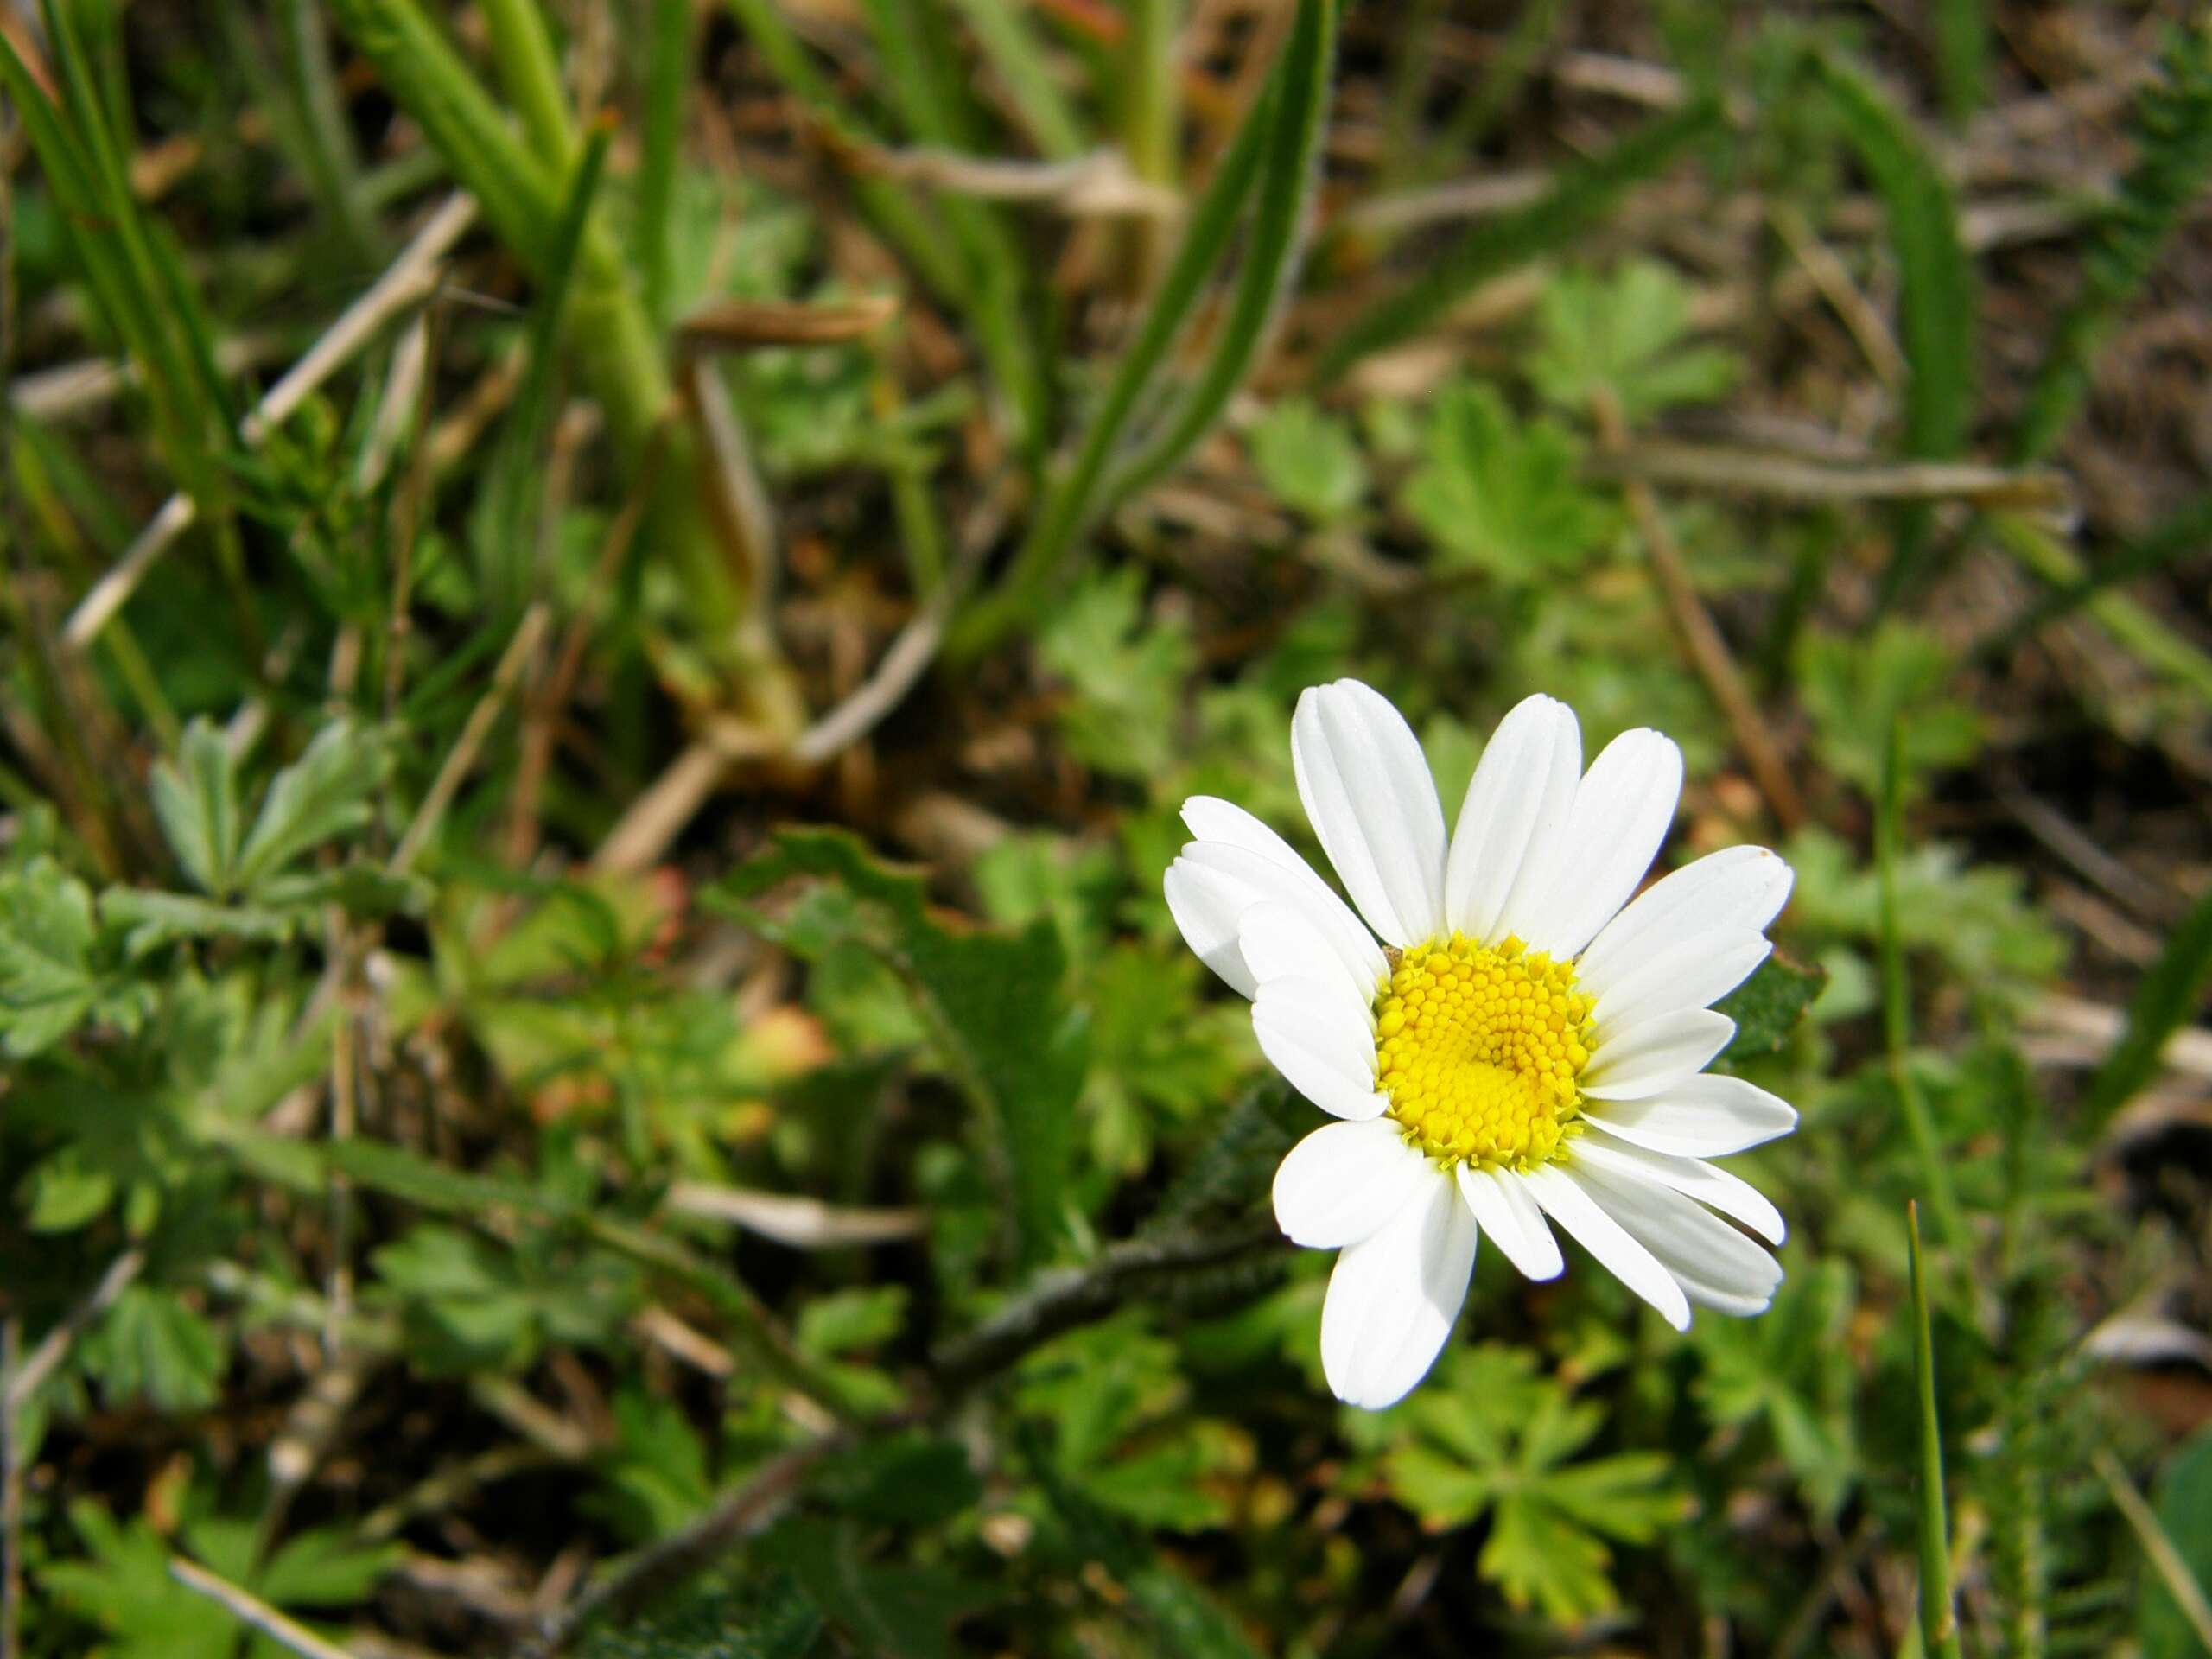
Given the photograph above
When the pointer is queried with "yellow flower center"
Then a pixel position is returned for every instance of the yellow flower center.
(1479, 1050)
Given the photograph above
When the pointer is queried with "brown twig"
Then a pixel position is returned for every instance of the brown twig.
(520, 651)
(1709, 652)
(1752, 471)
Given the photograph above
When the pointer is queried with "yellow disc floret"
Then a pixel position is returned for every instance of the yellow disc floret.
(1478, 1048)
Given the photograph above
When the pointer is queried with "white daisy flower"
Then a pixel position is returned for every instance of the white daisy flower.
(1515, 1042)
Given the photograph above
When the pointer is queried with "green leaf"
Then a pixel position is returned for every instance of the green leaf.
(150, 1344)
(123, 1584)
(908, 1479)
(1502, 496)
(843, 1321)
(322, 795)
(2168, 998)
(196, 798)
(1309, 459)
(151, 920)
(889, 1608)
(1128, 678)
(48, 982)
(1785, 1370)
(992, 1003)
(325, 1566)
(771, 1620)
(1853, 688)
(2183, 1503)
(1768, 1006)
(1489, 1434)
(1625, 334)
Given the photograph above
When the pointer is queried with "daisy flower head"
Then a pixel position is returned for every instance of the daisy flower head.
(1507, 1033)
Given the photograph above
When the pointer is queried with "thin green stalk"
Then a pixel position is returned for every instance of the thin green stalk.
(522, 52)
(668, 63)
(1003, 31)
(2166, 999)
(1150, 109)
(1938, 1619)
(1897, 1011)
(2182, 532)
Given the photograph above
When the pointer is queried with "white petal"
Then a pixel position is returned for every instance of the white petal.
(1713, 1263)
(1568, 1203)
(1211, 819)
(1709, 1116)
(1697, 972)
(1317, 1037)
(1392, 1297)
(1727, 1193)
(1277, 939)
(1206, 905)
(1343, 1182)
(1368, 791)
(1622, 811)
(1262, 878)
(1654, 1055)
(1504, 1208)
(1517, 800)
(1742, 887)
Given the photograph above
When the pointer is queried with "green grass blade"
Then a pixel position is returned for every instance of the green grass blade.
(930, 89)
(522, 51)
(1897, 1000)
(325, 141)
(1071, 503)
(2167, 998)
(1014, 53)
(1961, 30)
(668, 63)
(2148, 637)
(2180, 533)
(1579, 201)
(1938, 1619)
(2171, 126)
(420, 69)
(508, 508)
(1936, 289)
(1285, 195)
(521, 197)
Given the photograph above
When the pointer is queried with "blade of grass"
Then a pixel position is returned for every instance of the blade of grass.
(2182, 532)
(1150, 114)
(2152, 643)
(1285, 195)
(324, 140)
(1938, 1620)
(1896, 1004)
(1579, 200)
(931, 91)
(1962, 29)
(520, 195)
(508, 509)
(668, 63)
(2172, 127)
(522, 52)
(1936, 292)
(2168, 997)
(1263, 152)
(1003, 32)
